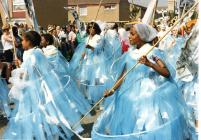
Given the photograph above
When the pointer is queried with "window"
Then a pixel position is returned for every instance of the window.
(109, 7)
(83, 11)
(18, 5)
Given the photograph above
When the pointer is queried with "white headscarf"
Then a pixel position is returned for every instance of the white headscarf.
(145, 32)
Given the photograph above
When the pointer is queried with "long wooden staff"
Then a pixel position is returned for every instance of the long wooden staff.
(119, 81)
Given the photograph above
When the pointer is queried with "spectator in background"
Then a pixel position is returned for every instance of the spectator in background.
(72, 37)
(18, 44)
(52, 31)
(58, 30)
(21, 30)
(62, 33)
(42, 31)
(64, 48)
(67, 29)
(115, 27)
(7, 42)
(26, 27)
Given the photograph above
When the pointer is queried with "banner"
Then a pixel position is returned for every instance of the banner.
(5, 9)
(31, 14)
(150, 12)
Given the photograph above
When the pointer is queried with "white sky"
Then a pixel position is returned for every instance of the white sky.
(161, 3)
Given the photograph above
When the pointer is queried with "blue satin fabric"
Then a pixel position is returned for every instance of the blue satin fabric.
(44, 105)
(172, 53)
(61, 66)
(146, 105)
(4, 101)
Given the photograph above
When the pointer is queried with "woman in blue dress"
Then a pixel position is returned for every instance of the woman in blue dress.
(187, 77)
(62, 67)
(147, 104)
(172, 46)
(112, 44)
(44, 109)
(92, 72)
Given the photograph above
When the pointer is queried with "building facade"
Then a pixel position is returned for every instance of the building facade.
(17, 12)
(110, 10)
(50, 12)
(171, 5)
(47, 12)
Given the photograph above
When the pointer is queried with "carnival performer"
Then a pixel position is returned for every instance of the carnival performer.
(112, 42)
(91, 69)
(61, 66)
(53, 55)
(148, 104)
(172, 46)
(187, 76)
(44, 109)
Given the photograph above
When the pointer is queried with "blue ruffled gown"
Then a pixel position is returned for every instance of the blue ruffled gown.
(75, 60)
(147, 106)
(44, 109)
(92, 72)
(112, 44)
(172, 48)
(61, 66)
(187, 76)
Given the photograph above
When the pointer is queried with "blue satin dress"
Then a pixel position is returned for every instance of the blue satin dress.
(173, 47)
(44, 108)
(147, 106)
(91, 71)
(61, 66)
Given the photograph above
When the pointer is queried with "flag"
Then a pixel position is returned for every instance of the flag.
(5, 8)
(150, 12)
(79, 24)
(31, 13)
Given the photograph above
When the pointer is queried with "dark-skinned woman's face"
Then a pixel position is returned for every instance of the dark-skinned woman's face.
(25, 43)
(134, 37)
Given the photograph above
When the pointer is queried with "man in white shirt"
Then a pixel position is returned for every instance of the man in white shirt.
(7, 42)
(53, 32)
